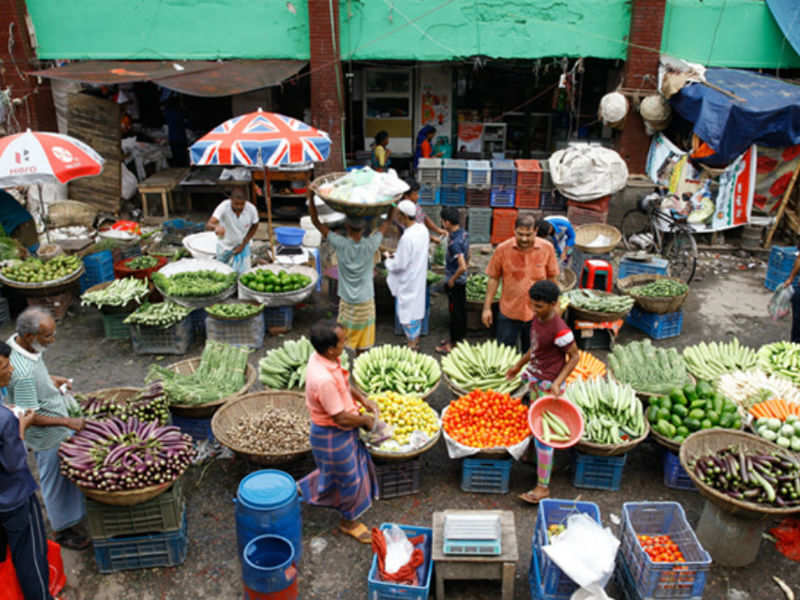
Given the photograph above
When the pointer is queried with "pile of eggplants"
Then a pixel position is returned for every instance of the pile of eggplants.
(116, 455)
(769, 479)
(148, 405)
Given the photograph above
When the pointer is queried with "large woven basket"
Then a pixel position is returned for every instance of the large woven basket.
(126, 497)
(423, 396)
(567, 279)
(712, 440)
(349, 208)
(612, 450)
(200, 411)
(68, 213)
(116, 394)
(586, 234)
(115, 310)
(660, 306)
(594, 315)
(226, 418)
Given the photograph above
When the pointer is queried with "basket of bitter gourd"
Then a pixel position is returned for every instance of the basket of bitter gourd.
(396, 369)
(483, 366)
(655, 293)
(597, 305)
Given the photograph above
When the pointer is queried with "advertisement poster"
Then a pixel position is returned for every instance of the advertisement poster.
(774, 170)
(469, 136)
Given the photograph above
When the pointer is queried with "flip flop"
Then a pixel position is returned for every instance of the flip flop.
(73, 541)
(443, 349)
(359, 533)
(529, 497)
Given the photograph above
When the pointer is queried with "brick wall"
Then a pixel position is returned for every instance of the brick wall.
(327, 107)
(37, 111)
(641, 72)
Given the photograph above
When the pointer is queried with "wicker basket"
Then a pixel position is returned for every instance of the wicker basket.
(458, 391)
(200, 411)
(612, 450)
(45, 288)
(68, 213)
(711, 440)
(126, 497)
(586, 234)
(116, 394)
(597, 316)
(665, 442)
(226, 418)
(659, 306)
(567, 279)
(349, 208)
(408, 455)
(115, 310)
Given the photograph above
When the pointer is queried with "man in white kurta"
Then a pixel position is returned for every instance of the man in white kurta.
(408, 271)
(235, 222)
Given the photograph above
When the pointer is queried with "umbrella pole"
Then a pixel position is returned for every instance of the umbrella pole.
(44, 214)
(268, 198)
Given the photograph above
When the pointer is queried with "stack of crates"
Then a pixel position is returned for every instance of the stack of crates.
(503, 224)
(99, 269)
(479, 173)
(278, 319)
(429, 175)
(454, 180)
(479, 196)
(248, 332)
(479, 225)
(779, 267)
(504, 180)
(434, 213)
(428, 195)
(529, 183)
(142, 536)
(585, 213)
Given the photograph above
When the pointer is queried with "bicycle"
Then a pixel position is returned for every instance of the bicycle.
(653, 230)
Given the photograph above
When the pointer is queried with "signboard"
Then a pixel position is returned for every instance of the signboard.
(469, 137)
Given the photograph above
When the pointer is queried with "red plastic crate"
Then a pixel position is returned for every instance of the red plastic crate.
(581, 216)
(528, 197)
(599, 205)
(479, 196)
(503, 224)
(529, 173)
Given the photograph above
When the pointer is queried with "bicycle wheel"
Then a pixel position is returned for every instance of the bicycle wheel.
(636, 231)
(681, 252)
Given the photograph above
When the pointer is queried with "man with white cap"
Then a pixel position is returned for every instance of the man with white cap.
(408, 272)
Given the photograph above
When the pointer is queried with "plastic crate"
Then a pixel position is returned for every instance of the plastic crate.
(182, 226)
(485, 476)
(278, 319)
(598, 472)
(663, 579)
(159, 515)
(5, 312)
(552, 200)
(598, 205)
(247, 332)
(428, 195)
(384, 590)
(197, 318)
(433, 213)
(429, 171)
(479, 196)
(594, 339)
(99, 267)
(114, 328)
(504, 172)
(502, 196)
(675, 476)
(584, 216)
(199, 429)
(624, 580)
(479, 225)
(398, 478)
(658, 266)
(142, 552)
(549, 579)
(479, 172)
(454, 171)
(658, 327)
(527, 197)
(426, 320)
(503, 220)
(529, 173)
(452, 196)
(162, 340)
(779, 266)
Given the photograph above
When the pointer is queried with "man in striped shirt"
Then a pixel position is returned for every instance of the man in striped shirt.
(32, 387)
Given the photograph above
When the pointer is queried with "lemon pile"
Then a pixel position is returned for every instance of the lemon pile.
(406, 414)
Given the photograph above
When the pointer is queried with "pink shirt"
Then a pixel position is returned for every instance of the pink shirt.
(327, 390)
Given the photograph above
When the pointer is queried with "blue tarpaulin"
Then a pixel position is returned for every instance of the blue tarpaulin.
(787, 15)
(767, 114)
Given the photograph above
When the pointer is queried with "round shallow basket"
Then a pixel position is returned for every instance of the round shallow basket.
(405, 455)
(116, 310)
(116, 394)
(567, 279)
(423, 396)
(483, 452)
(585, 235)
(660, 306)
(201, 411)
(665, 442)
(126, 497)
(594, 315)
(352, 209)
(196, 264)
(226, 418)
(712, 440)
(458, 391)
(280, 298)
(250, 302)
(612, 450)
(45, 288)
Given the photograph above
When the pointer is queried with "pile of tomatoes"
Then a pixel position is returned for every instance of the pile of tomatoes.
(661, 548)
(486, 419)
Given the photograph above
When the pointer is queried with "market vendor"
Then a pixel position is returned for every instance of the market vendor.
(380, 152)
(355, 255)
(519, 262)
(235, 221)
(32, 387)
(559, 232)
(408, 273)
(345, 476)
(17, 222)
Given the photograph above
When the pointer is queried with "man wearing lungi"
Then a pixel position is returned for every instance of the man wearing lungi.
(345, 476)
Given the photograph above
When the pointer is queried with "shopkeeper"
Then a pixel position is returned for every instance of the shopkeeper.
(235, 221)
(17, 222)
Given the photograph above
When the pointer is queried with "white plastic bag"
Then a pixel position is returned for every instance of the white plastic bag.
(398, 549)
(781, 302)
(585, 551)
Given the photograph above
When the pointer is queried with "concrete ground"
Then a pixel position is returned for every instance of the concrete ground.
(730, 303)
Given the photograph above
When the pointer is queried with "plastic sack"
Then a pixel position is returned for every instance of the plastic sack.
(781, 302)
(398, 549)
(583, 173)
(458, 450)
(585, 551)
(787, 536)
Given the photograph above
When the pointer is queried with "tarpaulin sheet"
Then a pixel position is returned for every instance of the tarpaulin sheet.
(767, 112)
(787, 15)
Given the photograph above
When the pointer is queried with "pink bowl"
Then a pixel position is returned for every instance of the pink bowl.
(562, 408)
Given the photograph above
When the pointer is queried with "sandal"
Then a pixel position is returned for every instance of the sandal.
(444, 348)
(533, 496)
(72, 540)
(358, 532)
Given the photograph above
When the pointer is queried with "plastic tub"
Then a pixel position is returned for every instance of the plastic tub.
(562, 408)
(289, 236)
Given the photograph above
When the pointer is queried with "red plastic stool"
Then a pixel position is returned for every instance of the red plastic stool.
(597, 275)
(8, 575)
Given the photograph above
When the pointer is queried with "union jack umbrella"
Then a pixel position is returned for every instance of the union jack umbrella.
(261, 139)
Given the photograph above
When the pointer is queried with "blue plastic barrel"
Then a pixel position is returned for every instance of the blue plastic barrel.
(267, 502)
(268, 569)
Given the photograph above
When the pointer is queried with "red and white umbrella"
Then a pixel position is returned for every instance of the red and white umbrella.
(43, 157)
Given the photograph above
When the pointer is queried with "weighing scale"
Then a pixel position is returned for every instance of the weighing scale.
(472, 534)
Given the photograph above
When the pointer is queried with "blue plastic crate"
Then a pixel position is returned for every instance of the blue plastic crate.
(428, 195)
(278, 319)
(504, 172)
(779, 266)
(383, 590)
(658, 327)
(454, 171)
(199, 429)
(662, 579)
(624, 580)
(182, 226)
(452, 196)
(502, 196)
(675, 476)
(142, 551)
(99, 268)
(598, 472)
(657, 266)
(551, 581)
(486, 476)
(426, 321)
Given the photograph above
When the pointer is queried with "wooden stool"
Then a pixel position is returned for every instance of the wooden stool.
(162, 183)
(502, 567)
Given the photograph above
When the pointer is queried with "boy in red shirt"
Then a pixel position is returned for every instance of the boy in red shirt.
(551, 358)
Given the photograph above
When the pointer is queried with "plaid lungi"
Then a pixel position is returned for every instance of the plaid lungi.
(358, 321)
(345, 476)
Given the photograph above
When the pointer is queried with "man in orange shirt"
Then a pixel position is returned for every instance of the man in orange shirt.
(519, 262)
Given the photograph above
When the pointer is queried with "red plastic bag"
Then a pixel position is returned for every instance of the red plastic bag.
(9, 586)
(788, 536)
(129, 226)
